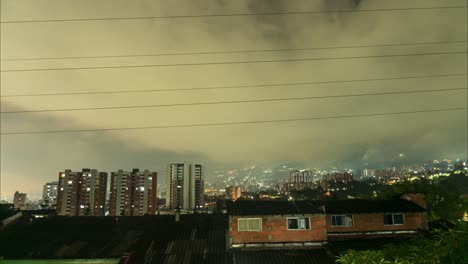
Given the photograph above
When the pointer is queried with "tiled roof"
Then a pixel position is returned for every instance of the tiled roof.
(371, 206)
(272, 207)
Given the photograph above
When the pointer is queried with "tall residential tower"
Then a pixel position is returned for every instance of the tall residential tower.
(133, 193)
(82, 193)
(184, 186)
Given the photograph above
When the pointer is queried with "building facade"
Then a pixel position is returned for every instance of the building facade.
(305, 223)
(299, 180)
(184, 186)
(233, 193)
(374, 218)
(19, 200)
(82, 193)
(49, 194)
(133, 193)
(275, 223)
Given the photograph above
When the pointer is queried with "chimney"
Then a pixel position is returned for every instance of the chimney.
(417, 198)
(177, 214)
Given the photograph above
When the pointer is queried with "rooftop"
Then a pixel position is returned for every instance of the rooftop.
(371, 206)
(276, 207)
(152, 239)
(272, 207)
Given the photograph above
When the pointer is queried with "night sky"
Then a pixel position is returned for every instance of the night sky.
(28, 161)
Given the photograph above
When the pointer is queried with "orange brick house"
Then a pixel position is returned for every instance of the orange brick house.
(313, 223)
(275, 223)
(366, 218)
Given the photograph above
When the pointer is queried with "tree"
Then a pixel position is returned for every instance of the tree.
(444, 247)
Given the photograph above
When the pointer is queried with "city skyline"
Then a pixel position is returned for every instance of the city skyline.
(30, 160)
(284, 169)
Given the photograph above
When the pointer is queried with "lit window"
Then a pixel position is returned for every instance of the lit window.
(88, 189)
(250, 224)
(142, 188)
(342, 220)
(394, 219)
(70, 182)
(298, 223)
(81, 206)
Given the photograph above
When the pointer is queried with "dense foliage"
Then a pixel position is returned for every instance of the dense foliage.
(444, 247)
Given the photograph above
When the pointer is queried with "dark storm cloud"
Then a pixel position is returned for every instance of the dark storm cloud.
(272, 28)
(28, 161)
(341, 142)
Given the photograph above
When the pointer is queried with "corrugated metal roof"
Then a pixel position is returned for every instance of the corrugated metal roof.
(272, 207)
(371, 206)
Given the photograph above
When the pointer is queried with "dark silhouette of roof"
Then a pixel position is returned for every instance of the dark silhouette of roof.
(196, 238)
(371, 206)
(312, 256)
(151, 239)
(272, 207)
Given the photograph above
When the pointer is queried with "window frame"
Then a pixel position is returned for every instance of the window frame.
(297, 217)
(393, 219)
(246, 219)
(342, 215)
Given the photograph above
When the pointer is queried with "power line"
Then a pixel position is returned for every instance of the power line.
(233, 62)
(229, 102)
(235, 86)
(233, 123)
(230, 15)
(234, 51)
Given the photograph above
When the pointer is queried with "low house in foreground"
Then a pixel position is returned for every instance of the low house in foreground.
(275, 223)
(312, 223)
(369, 218)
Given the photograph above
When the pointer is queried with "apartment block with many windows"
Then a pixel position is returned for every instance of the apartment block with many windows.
(81, 193)
(133, 193)
(184, 186)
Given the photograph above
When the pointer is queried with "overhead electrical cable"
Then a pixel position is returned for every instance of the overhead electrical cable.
(229, 102)
(233, 62)
(230, 15)
(233, 123)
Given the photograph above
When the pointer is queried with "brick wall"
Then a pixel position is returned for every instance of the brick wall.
(274, 230)
(375, 222)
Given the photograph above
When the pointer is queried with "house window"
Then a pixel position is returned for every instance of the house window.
(298, 223)
(250, 224)
(342, 220)
(394, 219)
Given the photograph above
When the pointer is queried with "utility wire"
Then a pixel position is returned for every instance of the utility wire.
(234, 86)
(233, 62)
(229, 102)
(230, 15)
(234, 51)
(233, 123)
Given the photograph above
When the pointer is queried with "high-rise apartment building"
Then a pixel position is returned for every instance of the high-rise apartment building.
(133, 193)
(233, 192)
(300, 179)
(184, 186)
(19, 200)
(81, 193)
(49, 194)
